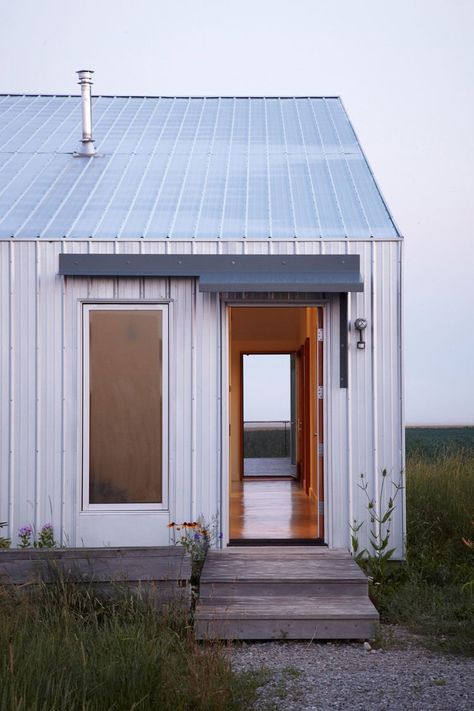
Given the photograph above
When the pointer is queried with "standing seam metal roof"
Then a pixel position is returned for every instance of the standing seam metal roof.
(186, 168)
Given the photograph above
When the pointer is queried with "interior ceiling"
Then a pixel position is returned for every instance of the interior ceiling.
(267, 323)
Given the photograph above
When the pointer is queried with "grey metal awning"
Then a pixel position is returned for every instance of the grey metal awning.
(218, 272)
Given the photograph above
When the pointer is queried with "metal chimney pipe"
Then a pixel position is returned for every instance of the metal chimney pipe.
(86, 146)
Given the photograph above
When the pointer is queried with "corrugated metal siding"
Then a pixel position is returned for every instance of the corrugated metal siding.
(40, 388)
(181, 168)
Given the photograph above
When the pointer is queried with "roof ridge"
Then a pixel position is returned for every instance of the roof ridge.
(179, 96)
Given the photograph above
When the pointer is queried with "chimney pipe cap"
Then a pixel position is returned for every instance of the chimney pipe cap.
(85, 76)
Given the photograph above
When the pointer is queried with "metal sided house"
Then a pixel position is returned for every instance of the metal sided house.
(143, 254)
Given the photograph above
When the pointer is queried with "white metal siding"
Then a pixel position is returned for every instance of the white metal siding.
(40, 382)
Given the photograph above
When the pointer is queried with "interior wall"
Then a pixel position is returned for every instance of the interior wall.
(261, 330)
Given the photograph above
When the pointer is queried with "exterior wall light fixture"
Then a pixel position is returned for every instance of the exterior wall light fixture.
(361, 325)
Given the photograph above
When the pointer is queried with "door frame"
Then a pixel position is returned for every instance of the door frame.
(325, 317)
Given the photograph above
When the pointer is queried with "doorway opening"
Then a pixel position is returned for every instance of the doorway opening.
(268, 393)
(276, 425)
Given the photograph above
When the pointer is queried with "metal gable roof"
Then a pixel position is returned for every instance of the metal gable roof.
(183, 168)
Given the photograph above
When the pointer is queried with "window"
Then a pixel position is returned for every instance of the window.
(125, 406)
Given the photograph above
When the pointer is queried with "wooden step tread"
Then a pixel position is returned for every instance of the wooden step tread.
(281, 552)
(228, 569)
(264, 608)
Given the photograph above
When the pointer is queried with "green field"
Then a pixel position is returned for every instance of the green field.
(432, 593)
(439, 441)
(427, 441)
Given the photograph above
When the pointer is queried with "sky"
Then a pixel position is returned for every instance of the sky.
(405, 71)
(267, 388)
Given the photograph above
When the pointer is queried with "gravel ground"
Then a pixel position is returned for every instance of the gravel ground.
(350, 676)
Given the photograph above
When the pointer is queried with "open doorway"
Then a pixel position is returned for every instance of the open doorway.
(276, 425)
(268, 388)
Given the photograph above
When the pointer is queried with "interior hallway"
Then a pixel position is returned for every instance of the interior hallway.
(271, 508)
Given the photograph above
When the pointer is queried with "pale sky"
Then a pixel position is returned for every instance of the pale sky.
(267, 387)
(405, 71)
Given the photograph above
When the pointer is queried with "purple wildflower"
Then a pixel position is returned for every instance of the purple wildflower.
(197, 536)
(47, 527)
(25, 530)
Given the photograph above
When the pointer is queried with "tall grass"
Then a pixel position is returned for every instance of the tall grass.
(65, 648)
(433, 592)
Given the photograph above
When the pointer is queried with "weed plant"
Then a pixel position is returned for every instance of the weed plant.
(432, 593)
(66, 648)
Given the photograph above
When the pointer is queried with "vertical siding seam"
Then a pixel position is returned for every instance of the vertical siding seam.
(401, 399)
(171, 473)
(330, 426)
(392, 370)
(11, 423)
(116, 280)
(224, 197)
(141, 286)
(349, 400)
(206, 177)
(37, 405)
(63, 424)
(374, 353)
(219, 416)
(193, 401)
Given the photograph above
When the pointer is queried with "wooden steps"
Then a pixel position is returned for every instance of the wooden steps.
(283, 592)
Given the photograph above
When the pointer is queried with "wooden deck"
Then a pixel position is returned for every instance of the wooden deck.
(283, 593)
(162, 573)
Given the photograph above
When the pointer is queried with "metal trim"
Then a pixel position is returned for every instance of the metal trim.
(228, 273)
(343, 342)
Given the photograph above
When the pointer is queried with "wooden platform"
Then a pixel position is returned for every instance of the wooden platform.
(162, 573)
(283, 593)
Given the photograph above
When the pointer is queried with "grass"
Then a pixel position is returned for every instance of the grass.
(65, 648)
(432, 594)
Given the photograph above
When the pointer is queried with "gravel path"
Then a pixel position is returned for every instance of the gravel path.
(349, 676)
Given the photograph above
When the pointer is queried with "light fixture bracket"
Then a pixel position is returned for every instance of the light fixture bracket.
(360, 324)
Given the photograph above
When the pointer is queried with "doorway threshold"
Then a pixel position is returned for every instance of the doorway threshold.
(277, 542)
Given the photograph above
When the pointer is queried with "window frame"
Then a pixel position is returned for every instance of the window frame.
(86, 506)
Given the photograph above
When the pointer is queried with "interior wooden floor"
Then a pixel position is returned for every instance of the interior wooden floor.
(271, 508)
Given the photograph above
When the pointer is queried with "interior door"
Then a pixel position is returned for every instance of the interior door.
(303, 421)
